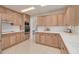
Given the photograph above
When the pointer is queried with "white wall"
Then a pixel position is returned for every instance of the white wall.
(32, 26)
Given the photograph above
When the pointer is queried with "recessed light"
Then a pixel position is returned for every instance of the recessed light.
(28, 9)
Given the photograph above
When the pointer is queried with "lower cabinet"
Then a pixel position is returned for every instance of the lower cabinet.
(51, 39)
(18, 37)
(22, 37)
(5, 41)
(12, 39)
(63, 47)
(47, 39)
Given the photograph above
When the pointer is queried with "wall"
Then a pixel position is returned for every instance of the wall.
(52, 28)
(6, 27)
(32, 26)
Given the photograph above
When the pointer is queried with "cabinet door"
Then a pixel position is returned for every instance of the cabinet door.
(9, 15)
(42, 38)
(3, 13)
(23, 37)
(37, 38)
(18, 37)
(27, 36)
(60, 19)
(62, 47)
(12, 39)
(49, 20)
(54, 20)
(41, 21)
(77, 18)
(5, 41)
(51, 40)
(70, 16)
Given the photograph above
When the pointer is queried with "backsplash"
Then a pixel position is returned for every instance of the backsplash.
(51, 28)
(6, 27)
(76, 29)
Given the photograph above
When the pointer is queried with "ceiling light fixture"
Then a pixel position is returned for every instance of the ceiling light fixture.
(28, 9)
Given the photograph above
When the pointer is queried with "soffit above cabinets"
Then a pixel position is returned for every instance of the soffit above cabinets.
(38, 9)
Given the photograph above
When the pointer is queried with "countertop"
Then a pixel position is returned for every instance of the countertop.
(71, 40)
(11, 32)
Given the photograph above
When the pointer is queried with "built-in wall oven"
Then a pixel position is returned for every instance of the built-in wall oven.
(27, 27)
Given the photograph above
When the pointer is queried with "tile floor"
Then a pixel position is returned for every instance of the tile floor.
(30, 47)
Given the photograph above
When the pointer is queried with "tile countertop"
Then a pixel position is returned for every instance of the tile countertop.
(71, 40)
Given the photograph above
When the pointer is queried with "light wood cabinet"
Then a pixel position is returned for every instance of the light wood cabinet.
(54, 20)
(48, 20)
(70, 16)
(18, 37)
(26, 35)
(51, 20)
(26, 18)
(12, 39)
(42, 38)
(51, 39)
(47, 39)
(11, 16)
(37, 38)
(5, 41)
(63, 47)
(60, 19)
(41, 21)
(3, 13)
(77, 18)
(23, 37)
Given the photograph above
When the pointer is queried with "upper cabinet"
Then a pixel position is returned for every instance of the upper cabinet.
(14, 17)
(70, 16)
(2, 13)
(54, 20)
(60, 20)
(41, 21)
(51, 20)
(26, 18)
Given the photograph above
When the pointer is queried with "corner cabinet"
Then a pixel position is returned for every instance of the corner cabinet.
(51, 39)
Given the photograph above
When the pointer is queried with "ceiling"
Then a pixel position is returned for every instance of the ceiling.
(36, 11)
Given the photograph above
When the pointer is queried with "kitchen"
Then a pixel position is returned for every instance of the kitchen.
(46, 29)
